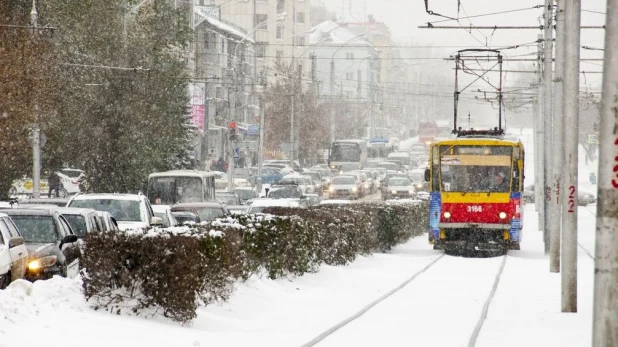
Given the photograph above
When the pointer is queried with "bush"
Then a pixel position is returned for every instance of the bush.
(174, 272)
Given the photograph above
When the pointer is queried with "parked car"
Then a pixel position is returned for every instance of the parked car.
(165, 213)
(69, 184)
(53, 248)
(13, 252)
(131, 211)
(398, 187)
(108, 222)
(60, 202)
(206, 211)
(81, 220)
(344, 186)
(583, 198)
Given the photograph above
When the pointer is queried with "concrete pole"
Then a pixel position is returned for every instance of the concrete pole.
(605, 312)
(332, 122)
(547, 113)
(36, 132)
(292, 147)
(260, 153)
(571, 125)
(539, 197)
(557, 148)
(231, 147)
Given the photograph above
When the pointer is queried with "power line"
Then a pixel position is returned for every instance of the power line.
(488, 14)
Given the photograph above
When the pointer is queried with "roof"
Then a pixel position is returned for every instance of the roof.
(64, 210)
(476, 140)
(203, 17)
(29, 212)
(329, 32)
(185, 173)
(197, 204)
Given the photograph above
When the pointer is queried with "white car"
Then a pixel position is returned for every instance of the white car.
(69, 179)
(165, 213)
(131, 211)
(13, 253)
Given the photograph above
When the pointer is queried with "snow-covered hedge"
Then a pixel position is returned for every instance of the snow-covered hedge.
(175, 271)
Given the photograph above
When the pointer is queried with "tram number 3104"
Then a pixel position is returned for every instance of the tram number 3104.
(475, 209)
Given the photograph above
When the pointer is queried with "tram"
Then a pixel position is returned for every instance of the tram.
(476, 184)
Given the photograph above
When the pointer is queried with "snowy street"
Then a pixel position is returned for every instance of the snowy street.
(439, 307)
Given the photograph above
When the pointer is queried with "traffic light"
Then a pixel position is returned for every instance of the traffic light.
(232, 131)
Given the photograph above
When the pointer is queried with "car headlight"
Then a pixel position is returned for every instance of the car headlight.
(354, 189)
(447, 215)
(39, 263)
(331, 189)
(366, 185)
(420, 185)
(502, 215)
(394, 192)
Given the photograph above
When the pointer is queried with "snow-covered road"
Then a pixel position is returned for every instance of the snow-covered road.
(440, 307)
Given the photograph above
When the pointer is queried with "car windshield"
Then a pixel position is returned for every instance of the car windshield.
(175, 189)
(71, 173)
(397, 181)
(344, 180)
(36, 229)
(163, 216)
(209, 213)
(227, 199)
(78, 224)
(122, 210)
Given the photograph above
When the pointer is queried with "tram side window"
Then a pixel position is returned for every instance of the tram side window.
(515, 185)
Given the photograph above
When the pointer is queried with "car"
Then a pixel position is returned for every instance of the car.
(335, 203)
(238, 209)
(326, 174)
(205, 211)
(165, 213)
(69, 184)
(417, 177)
(399, 188)
(228, 198)
(295, 180)
(284, 192)
(53, 247)
(318, 182)
(245, 194)
(261, 205)
(13, 252)
(312, 199)
(185, 216)
(108, 222)
(270, 175)
(131, 211)
(344, 186)
(60, 202)
(81, 220)
(583, 198)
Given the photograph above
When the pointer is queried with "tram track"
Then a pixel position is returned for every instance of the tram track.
(446, 286)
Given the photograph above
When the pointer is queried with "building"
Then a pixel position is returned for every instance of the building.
(280, 29)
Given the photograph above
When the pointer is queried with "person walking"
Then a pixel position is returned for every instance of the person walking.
(54, 184)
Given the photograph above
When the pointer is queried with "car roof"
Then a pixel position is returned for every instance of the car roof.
(3, 215)
(65, 210)
(30, 212)
(110, 196)
(271, 202)
(160, 208)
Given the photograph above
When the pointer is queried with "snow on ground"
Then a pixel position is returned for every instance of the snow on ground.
(290, 312)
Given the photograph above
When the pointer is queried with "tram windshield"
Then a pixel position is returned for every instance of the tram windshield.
(476, 168)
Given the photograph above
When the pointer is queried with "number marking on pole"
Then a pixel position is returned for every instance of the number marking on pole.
(571, 199)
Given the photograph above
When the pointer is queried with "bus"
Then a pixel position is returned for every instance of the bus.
(177, 186)
(476, 186)
(348, 154)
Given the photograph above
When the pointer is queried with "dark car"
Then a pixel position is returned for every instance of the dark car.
(53, 247)
(583, 198)
(206, 211)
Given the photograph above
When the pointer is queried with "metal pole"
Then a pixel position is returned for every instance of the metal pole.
(260, 153)
(557, 144)
(571, 125)
(547, 109)
(605, 324)
(292, 129)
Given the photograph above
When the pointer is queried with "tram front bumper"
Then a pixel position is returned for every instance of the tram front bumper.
(495, 226)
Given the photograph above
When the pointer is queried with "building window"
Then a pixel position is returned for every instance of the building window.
(300, 17)
(349, 56)
(260, 49)
(280, 29)
(280, 6)
(300, 41)
(349, 76)
(279, 57)
(261, 19)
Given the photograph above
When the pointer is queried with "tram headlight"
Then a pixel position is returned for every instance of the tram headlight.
(502, 215)
(447, 215)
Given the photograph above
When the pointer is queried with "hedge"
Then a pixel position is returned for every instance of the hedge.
(174, 271)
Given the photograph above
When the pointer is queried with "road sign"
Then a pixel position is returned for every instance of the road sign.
(378, 140)
(236, 153)
(253, 130)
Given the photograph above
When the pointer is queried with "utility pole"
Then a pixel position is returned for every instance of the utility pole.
(557, 145)
(605, 324)
(571, 113)
(538, 150)
(36, 132)
(547, 108)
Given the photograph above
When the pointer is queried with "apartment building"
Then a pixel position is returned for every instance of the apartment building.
(280, 29)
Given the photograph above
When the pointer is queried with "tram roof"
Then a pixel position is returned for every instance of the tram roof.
(479, 140)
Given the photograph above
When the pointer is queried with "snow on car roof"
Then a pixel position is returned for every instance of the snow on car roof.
(112, 196)
(272, 202)
(335, 202)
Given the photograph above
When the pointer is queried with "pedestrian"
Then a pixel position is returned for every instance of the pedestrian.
(53, 182)
(220, 164)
